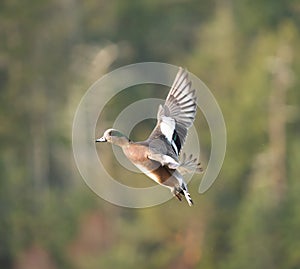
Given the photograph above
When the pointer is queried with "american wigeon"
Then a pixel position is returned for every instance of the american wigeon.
(158, 156)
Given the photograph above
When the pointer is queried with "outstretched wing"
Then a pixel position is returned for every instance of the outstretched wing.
(177, 114)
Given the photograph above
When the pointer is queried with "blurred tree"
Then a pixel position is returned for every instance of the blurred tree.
(51, 51)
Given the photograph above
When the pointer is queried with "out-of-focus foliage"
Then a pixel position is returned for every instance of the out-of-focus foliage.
(247, 52)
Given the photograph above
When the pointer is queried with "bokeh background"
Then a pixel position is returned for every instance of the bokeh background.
(247, 52)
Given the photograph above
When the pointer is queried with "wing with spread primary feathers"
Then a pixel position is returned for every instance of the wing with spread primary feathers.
(177, 114)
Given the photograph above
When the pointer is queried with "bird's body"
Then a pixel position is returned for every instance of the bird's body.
(158, 156)
(139, 153)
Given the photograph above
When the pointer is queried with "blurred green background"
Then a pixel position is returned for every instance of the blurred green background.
(247, 52)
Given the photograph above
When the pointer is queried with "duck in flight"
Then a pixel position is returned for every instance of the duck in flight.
(158, 156)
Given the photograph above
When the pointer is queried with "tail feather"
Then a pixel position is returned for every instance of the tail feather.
(186, 194)
(189, 165)
(188, 198)
(181, 188)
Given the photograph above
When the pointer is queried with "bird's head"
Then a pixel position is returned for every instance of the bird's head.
(115, 137)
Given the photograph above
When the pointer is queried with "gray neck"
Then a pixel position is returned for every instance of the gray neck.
(120, 141)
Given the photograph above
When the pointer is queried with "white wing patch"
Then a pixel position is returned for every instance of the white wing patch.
(167, 127)
(174, 147)
(164, 160)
